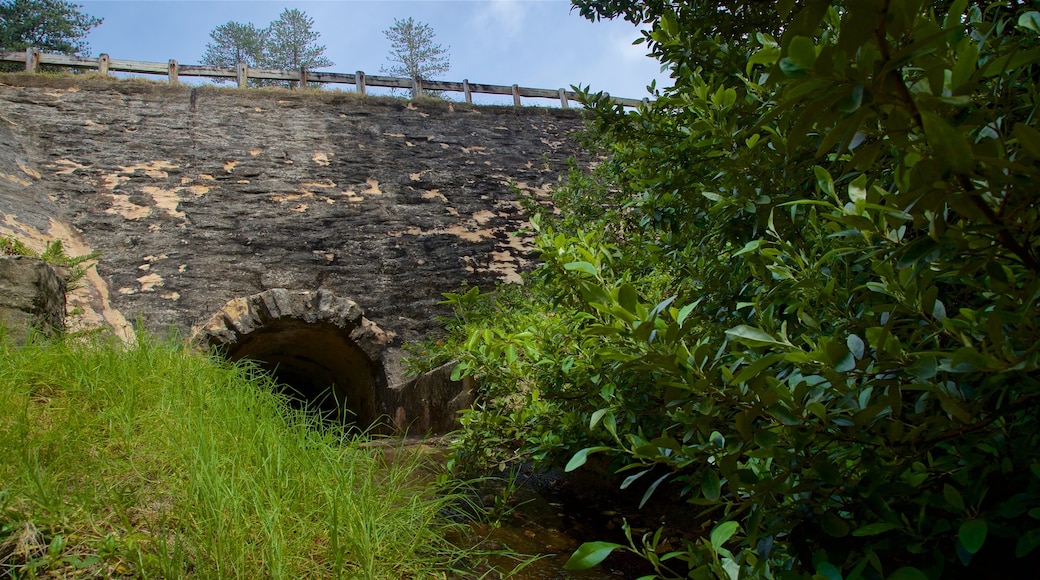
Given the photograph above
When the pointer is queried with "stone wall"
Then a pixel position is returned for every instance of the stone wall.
(32, 296)
(198, 196)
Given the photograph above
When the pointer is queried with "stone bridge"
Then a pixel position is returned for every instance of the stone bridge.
(196, 197)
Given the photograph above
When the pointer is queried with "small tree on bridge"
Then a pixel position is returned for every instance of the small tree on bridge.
(414, 52)
(292, 44)
(287, 43)
(235, 43)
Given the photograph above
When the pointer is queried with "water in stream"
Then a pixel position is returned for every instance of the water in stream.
(548, 526)
(544, 517)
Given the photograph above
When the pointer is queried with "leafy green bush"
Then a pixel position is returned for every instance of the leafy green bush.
(813, 296)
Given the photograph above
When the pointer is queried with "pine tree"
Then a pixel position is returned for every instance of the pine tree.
(414, 52)
(235, 43)
(52, 26)
(292, 43)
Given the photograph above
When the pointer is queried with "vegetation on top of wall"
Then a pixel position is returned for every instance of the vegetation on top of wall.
(801, 295)
(143, 86)
(73, 268)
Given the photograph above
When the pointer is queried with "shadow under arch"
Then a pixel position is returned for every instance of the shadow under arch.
(327, 356)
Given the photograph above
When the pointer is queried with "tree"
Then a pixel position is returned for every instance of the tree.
(291, 43)
(414, 52)
(235, 43)
(54, 26)
(811, 305)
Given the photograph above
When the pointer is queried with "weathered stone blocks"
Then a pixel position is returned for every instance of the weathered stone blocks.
(32, 295)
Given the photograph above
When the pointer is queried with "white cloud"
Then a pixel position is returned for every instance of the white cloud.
(503, 19)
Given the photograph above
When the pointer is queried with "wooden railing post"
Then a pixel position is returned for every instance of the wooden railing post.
(32, 59)
(516, 96)
(173, 72)
(359, 82)
(416, 87)
(563, 99)
(465, 90)
(243, 74)
(303, 77)
(102, 64)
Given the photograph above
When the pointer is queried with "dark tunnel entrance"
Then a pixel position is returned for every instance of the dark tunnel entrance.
(319, 370)
(325, 356)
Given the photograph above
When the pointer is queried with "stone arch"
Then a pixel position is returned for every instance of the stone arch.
(316, 344)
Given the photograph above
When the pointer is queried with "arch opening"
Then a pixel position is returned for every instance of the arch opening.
(325, 356)
(316, 367)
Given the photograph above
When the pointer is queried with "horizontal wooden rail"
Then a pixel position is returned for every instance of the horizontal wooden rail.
(33, 58)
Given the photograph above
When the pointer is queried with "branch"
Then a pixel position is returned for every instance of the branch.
(1018, 404)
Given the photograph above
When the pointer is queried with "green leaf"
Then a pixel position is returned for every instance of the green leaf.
(954, 15)
(684, 313)
(722, 533)
(827, 571)
(711, 487)
(856, 346)
(967, 58)
(1028, 138)
(653, 487)
(802, 52)
(972, 534)
(627, 298)
(1027, 543)
(589, 554)
(632, 478)
(858, 190)
(824, 180)
(752, 336)
(833, 525)
(751, 246)
(752, 370)
(766, 56)
(1030, 21)
(874, 529)
(460, 370)
(581, 266)
(953, 497)
(949, 145)
(582, 456)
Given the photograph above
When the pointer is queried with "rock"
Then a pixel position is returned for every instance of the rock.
(428, 404)
(32, 295)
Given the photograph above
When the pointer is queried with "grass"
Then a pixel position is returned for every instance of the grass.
(327, 95)
(153, 460)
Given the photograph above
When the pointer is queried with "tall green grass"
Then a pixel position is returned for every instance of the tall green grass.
(156, 461)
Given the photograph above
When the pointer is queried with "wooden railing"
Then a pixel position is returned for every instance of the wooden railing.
(33, 58)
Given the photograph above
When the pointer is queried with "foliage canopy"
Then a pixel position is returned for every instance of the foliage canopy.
(235, 43)
(800, 293)
(288, 43)
(50, 25)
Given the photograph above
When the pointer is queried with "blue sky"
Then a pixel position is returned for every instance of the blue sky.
(533, 43)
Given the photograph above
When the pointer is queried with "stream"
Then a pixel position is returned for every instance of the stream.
(543, 517)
